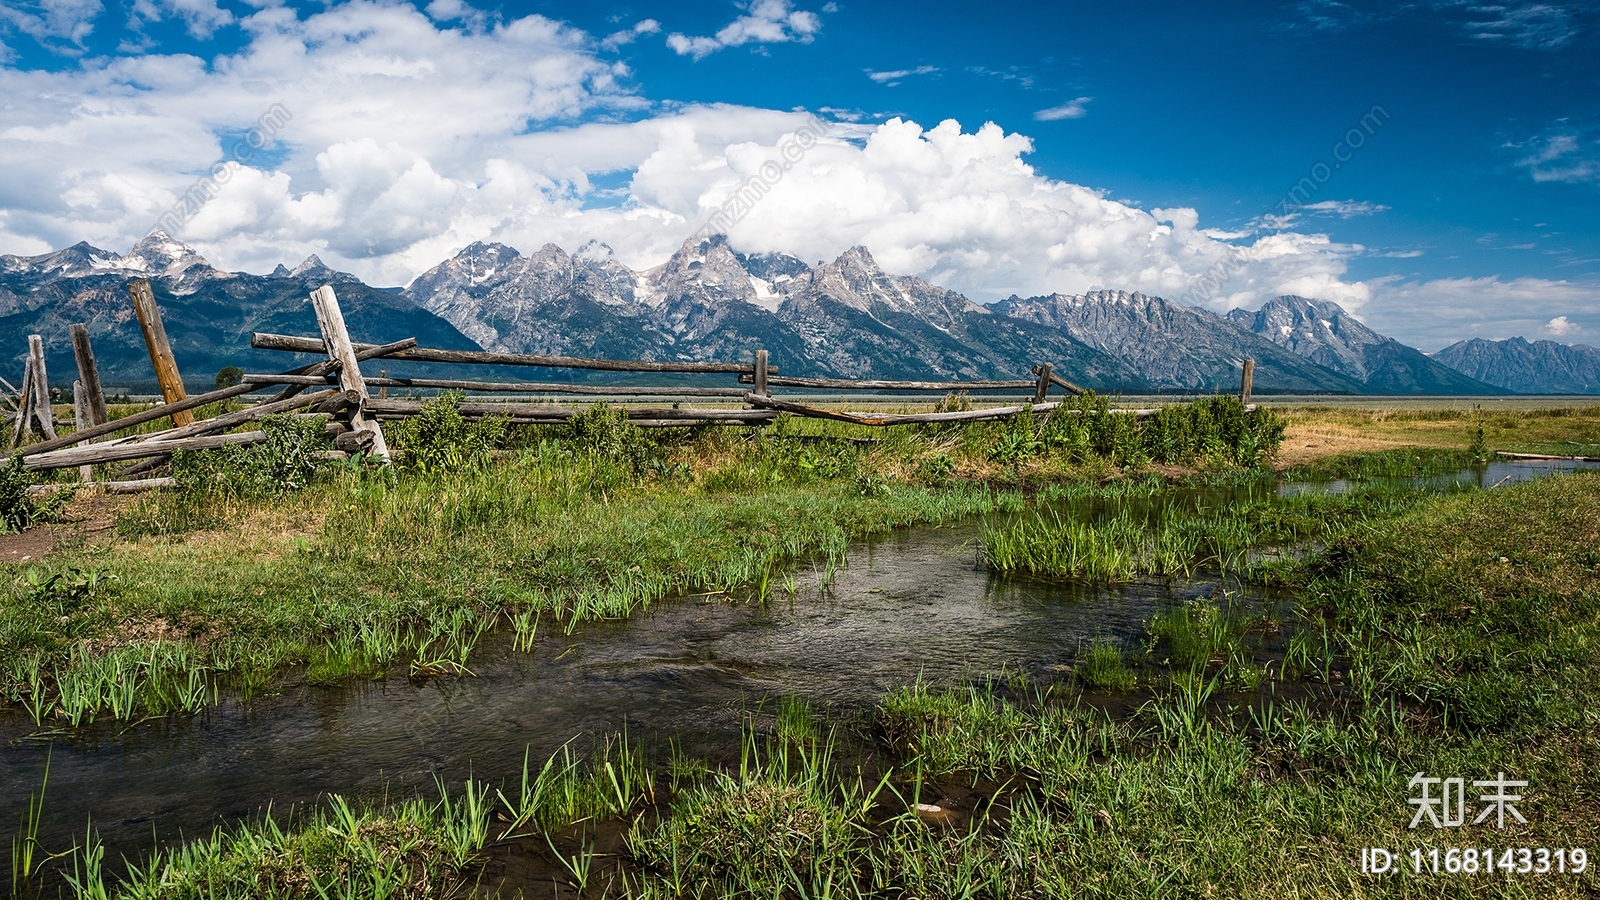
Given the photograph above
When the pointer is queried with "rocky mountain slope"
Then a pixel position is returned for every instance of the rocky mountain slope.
(208, 313)
(1176, 347)
(846, 318)
(1540, 367)
(1324, 333)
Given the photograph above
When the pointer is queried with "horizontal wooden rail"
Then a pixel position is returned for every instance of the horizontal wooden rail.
(513, 387)
(109, 487)
(399, 408)
(850, 384)
(290, 343)
(878, 419)
(95, 454)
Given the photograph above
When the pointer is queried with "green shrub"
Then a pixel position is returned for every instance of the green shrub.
(285, 461)
(604, 431)
(1212, 431)
(439, 439)
(17, 509)
(228, 376)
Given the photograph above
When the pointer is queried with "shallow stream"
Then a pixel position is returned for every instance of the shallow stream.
(915, 603)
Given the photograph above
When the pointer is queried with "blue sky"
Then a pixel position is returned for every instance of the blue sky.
(1469, 208)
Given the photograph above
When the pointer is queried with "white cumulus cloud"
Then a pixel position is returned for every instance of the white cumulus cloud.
(404, 138)
(202, 17)
(48, 20)
(1434, 314)
(628, 35)
(765, 22)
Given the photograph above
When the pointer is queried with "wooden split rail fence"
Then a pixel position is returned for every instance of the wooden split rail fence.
(335, 390)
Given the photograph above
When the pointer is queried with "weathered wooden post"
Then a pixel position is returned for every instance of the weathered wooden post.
(24, 405)
(42, 409)
(155, 339)
(383, 392)
(760, 378)
(81, 422)
(1044, 382)
(1245, 379)
(88, 374)
(331, 320)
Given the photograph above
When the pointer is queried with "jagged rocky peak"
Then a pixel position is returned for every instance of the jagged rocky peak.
(704, 270)
(1290, 319)
(312, 268)
(602, 277)
(472, 271)
(480, 263)
(310, 264)
(159, 254)
(855, 280)
(78, 260)
(1319, 330)
(773, 268)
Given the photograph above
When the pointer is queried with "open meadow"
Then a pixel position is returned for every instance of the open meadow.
(1332, 600)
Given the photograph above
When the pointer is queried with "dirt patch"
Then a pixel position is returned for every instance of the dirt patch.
(86, 516)
(26, 546)
(1309, 443)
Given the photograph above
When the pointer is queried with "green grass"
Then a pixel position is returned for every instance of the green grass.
(1101, 666)
(1459, 636)
(1174, 537)
(339, 850)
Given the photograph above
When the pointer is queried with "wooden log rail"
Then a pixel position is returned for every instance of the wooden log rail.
(266, 341)
(541, 414)
(510, 387)
(117, 451)
(852, 384)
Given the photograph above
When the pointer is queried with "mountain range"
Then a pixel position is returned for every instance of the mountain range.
(1322, 332)
(845, 318)
(1540, 367)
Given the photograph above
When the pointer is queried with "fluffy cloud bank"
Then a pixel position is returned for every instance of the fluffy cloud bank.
(403, 138)
(1437, 313)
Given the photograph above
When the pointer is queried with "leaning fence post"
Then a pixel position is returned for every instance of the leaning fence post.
(155, 339)
(24, 405)
(331, 320)
(88, 374)
(1039, 392)
(80, 422)
(1245, 379)
(42, 409)
(760, 376)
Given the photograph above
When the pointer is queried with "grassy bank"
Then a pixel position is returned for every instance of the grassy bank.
(1457, 636)
(1260, 539)
(1519, 425)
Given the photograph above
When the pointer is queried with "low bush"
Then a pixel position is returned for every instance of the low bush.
(440, 440)
(285, 461)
